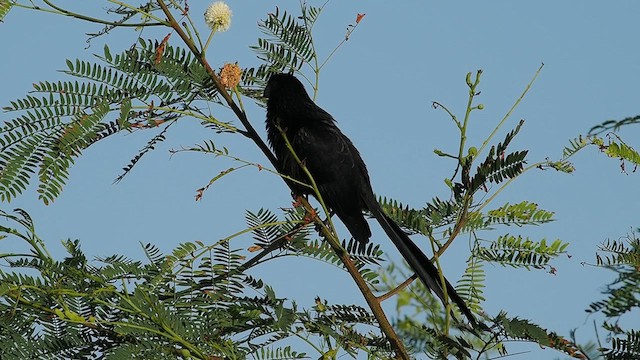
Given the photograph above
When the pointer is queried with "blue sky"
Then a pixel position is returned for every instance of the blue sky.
(379, 87)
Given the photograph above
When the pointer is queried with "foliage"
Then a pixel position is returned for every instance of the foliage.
(622, 256)
(518, 251)
(612, 146)
(196, 302)
(61, 119)
(5, 7)
(442, 221)
(623, 347)
(200, 301)
(287, 45)
(288, 42)
(614, 125)
(416, 310)
(622, 297)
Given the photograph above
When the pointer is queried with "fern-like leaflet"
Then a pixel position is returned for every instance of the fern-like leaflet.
(58, 120)
(471, 285)
(496, 167)
(516, 251)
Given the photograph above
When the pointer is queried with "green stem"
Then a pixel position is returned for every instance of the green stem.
(513, 107)
(453, 117)
(206, 45)
(467, 114)
(447, 304)
(195, 30)
(349, 32)
(236, 91)
(260, 167)
(314, 54)
(205, 118)
(459, 224)
(504, 185)
(60, 11)
(226, 239)
(138, 10)
(33, 240)
(316, 348)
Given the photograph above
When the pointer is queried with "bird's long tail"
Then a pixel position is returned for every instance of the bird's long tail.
(419, 262)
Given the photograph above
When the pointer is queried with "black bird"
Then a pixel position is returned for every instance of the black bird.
(339, 172)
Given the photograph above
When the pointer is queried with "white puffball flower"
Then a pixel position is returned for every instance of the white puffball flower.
(218, 16)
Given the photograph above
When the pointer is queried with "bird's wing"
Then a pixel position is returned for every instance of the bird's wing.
(335, 165)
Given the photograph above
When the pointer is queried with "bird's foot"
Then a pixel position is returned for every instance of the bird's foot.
(297, 202)
(310, 216)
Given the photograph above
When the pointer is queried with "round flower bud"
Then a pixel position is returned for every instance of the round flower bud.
(218, 16)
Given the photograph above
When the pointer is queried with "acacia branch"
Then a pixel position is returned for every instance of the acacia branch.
(329, 233)
(377, 310)
(250, 131)
(372, 300)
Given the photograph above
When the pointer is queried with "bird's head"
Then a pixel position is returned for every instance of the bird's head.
(281, 87)
(289, 105)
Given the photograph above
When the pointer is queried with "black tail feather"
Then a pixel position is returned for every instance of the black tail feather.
(419, 262)
(357, 226)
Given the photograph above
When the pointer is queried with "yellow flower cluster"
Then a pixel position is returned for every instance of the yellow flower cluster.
(230, 75)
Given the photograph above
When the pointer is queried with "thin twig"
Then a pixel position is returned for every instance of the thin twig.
(61, 11)
(397, 289)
